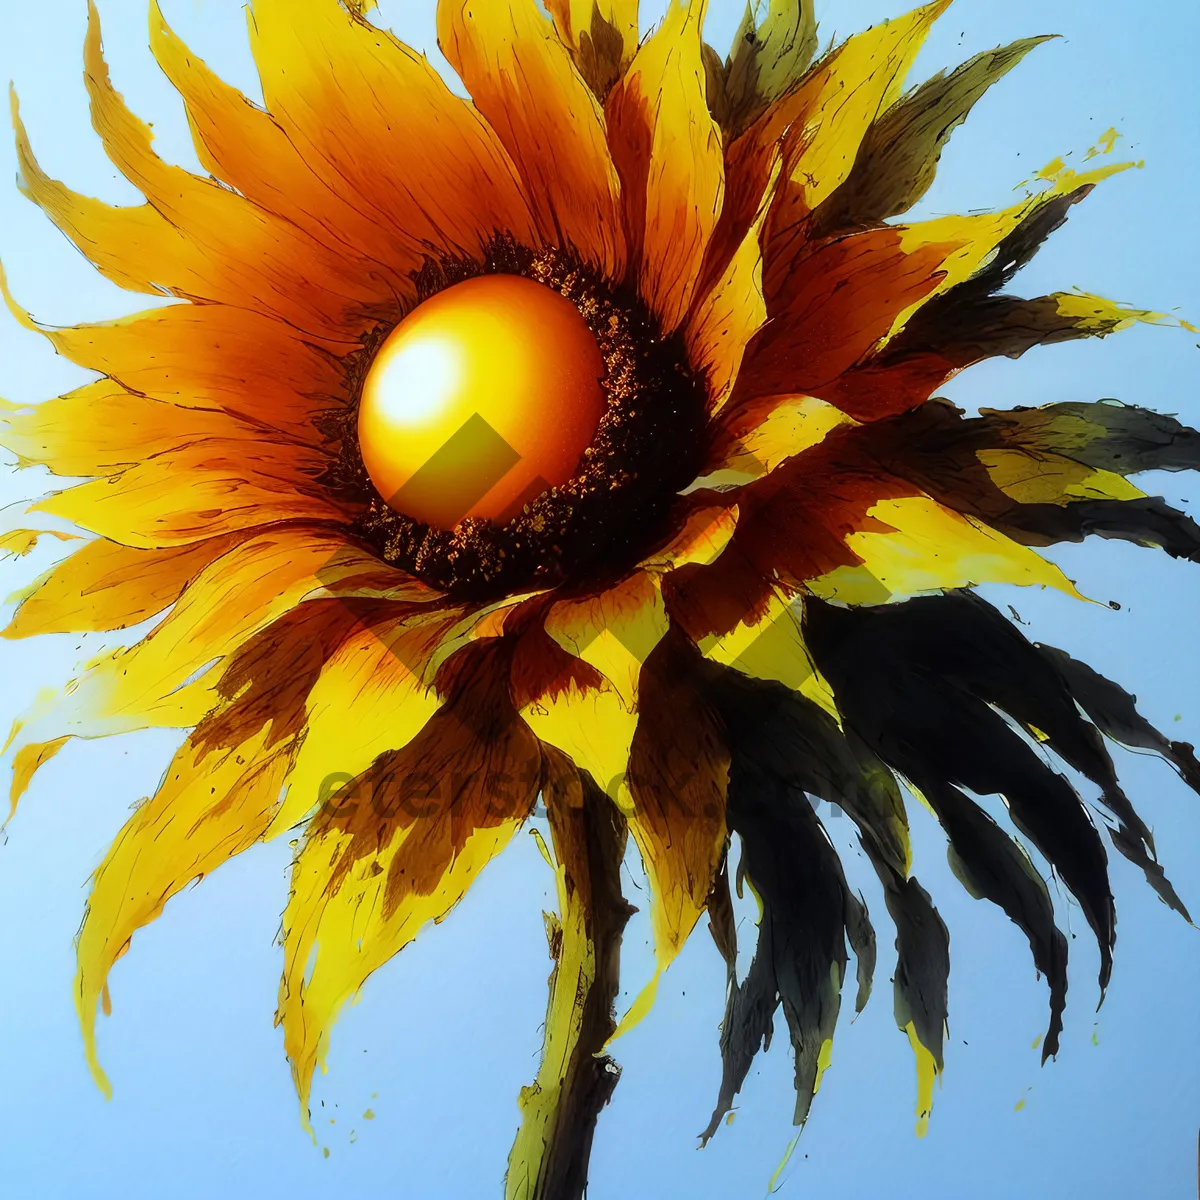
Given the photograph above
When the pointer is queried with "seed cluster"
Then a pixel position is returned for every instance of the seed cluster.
(601, 521)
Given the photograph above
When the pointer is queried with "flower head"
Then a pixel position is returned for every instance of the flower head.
(581, 441)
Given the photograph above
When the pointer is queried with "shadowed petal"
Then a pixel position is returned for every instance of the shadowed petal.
(397, 848)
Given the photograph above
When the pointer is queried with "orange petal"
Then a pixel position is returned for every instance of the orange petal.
(209, 356)
(135, 248)
(243, 145)
(396, 848)
(278, 267)
(703, 533)
(382, 130)
(843, 299)
(794, 522)
(105, 586)
(668, 151)
(753, 162)
(522, 79)
(213, 487)
(934, 336)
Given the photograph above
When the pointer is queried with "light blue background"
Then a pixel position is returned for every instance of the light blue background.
(446, 1035)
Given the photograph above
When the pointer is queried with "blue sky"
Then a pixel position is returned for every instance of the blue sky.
(446, 1035)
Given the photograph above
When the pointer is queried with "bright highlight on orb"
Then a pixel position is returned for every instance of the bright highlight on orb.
(481, 398)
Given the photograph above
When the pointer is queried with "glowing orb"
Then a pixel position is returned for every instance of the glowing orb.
(481, 398)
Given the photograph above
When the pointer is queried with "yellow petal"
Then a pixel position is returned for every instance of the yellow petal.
(615, 631)
(785, 42)
(929, 548)
(392, 851)
(732, 312)
(343, 89)
(103, 428)
(369, 699)
(927, 1075)
(105, 586)
(166, 679)
(1102, 317)
(771, 646)
(215, 487)
(594, 729)
(212, 805)
(668, 151)
(976, 237)
(16, 543)
(756, 441)
(135, 248)
(574, 20)
(589, 843)
(848, 91)
(524, 82)
(26, 763)
(1035, 477)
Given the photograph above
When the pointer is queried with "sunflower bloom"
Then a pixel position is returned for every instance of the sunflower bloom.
(580, 442)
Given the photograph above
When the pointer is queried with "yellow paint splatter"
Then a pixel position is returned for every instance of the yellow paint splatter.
(1052, 170)
(1105, 145)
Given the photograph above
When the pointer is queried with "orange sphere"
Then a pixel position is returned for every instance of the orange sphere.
(481, 398)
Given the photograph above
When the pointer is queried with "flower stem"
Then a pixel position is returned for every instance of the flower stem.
(549, 1160)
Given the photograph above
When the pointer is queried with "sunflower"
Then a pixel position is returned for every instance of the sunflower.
(580, 443)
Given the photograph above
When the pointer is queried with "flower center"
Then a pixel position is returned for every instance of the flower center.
(481, 399)
(525, 426)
